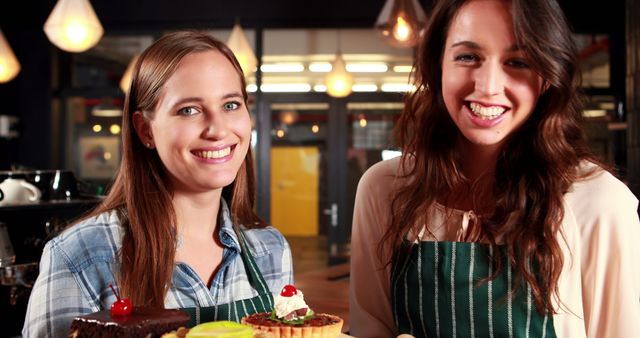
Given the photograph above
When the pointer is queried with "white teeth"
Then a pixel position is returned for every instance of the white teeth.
(486, 113)
(211, 154)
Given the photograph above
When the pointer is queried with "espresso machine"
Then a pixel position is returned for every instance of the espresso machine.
(25, 226)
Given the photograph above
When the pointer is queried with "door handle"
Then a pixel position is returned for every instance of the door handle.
(333, 212)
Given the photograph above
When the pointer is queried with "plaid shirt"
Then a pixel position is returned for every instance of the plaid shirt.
(77, 267)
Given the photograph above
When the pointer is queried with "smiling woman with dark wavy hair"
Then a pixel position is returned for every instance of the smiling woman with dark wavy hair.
(497, 220)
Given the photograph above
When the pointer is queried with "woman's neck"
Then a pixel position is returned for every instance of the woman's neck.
(197, 214)
(198, 244)
(478, 166)
(478, 161)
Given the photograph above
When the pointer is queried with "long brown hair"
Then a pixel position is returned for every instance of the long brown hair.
(535, 168)
(142, 192)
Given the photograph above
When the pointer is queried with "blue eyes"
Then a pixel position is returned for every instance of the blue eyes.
(191, 110)
(231, 106)
(187, 111)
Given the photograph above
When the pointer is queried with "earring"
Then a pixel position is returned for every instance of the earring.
(148, 144)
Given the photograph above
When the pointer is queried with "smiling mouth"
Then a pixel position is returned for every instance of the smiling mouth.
(486, 113)
(213, 154)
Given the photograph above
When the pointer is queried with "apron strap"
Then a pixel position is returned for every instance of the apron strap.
(253, 272)
(234, 311)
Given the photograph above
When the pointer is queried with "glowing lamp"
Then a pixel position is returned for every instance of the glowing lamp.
(73, 26)
(400, 22)
(241, 48)
(9, 65)
(339, 81)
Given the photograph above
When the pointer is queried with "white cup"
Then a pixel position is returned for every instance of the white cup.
(17, 190)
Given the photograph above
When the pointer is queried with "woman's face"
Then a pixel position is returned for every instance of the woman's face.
(488, 86)
(201, 128)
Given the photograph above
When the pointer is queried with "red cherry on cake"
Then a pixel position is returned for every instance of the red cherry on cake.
(122, 306)
(288, 291)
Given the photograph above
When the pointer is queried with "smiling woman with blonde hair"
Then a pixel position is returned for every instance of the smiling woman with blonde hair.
(177, 229)
(497, 221)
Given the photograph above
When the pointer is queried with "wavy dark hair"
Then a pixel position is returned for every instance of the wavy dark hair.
(535, 168)
(142, 191)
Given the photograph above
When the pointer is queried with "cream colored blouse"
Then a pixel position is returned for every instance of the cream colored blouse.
(599, 287)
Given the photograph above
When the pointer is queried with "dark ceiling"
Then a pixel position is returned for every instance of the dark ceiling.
(120, 16)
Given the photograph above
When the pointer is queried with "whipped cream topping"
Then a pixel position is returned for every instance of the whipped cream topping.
(291, 308)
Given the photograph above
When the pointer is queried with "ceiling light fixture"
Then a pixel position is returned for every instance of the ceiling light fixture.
(239, 44)
(73, 26)
(106, 108)
(364, 87)
(402, 69)
(367, 67)
(320, 67)
(400, 22)
(282, 68)
(397, 87)
(9, 65)
(338, 81)
(285, 87)
(320, 88)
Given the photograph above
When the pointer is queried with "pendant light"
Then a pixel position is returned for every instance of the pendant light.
(241, 48)
(73, 26)
(9, 65)
(125, 81)
(339, 81)
(401, 21)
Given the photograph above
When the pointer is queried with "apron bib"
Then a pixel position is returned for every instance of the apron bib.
(234, 311)
(435, 293)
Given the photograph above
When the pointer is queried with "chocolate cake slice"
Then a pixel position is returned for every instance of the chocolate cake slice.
(142, 322)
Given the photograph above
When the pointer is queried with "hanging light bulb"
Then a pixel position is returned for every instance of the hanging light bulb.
(401, 21)
(339, 81)
(402, 30)
(240, 46)
(125, 81)
(9, 65)
(73, 26)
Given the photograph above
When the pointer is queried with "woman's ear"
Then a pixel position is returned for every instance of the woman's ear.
(545, 86)
(143, 129)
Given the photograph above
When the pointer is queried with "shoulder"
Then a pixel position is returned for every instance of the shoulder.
(94, 239)
(381, 178)
(264, 241)
(599, 191)
(600, 202)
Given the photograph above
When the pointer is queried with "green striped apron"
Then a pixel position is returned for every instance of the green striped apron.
(435, 293)
(234, 311)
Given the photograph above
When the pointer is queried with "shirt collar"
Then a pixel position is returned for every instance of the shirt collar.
(227, 235)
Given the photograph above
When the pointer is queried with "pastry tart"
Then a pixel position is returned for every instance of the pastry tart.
(320, 326)
(292, 318)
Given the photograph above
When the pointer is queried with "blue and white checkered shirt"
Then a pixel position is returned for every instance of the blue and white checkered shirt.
(77, 267)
